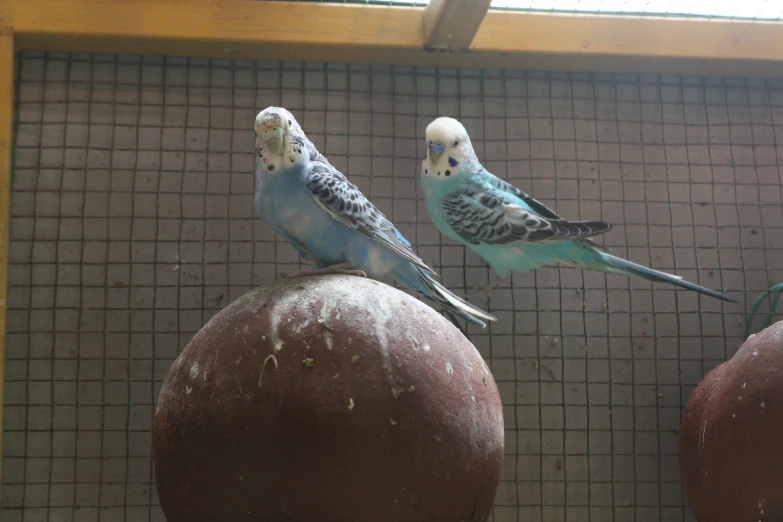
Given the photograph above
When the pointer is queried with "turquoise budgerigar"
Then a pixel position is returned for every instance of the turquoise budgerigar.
(329, 222)
(506, 227)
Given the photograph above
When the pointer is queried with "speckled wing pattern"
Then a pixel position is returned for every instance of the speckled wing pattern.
(483, 214)
(343, 201)
(540, 209)
(537, 206)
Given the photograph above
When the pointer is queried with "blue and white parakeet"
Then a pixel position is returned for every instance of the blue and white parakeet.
(332, 225)
(506, 227)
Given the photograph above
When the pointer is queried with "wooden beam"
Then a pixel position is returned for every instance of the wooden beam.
(452, 24)
(6, 141)
(226, 28)
(634, 44)
(396, 35)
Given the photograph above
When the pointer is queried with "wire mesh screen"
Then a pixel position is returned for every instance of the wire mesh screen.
(767, 10)
(409, 3)
(770, 10)
(133, 223)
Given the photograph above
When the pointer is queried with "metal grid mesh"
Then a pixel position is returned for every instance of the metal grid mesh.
(766, 10)
(413, 3)
(132, 224)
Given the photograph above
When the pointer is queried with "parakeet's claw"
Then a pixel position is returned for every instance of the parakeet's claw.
(270, 358)
(341, 268)
(486, 288)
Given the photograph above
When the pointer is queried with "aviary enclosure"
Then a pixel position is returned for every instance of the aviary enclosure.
(127, 150)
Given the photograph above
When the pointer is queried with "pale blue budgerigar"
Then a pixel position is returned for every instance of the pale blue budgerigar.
(506, 227)
(329, 222)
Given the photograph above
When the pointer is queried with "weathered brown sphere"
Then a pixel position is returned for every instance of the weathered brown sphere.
(731, 441)
(374, 408)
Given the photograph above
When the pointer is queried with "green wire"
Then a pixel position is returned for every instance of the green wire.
(773, 294)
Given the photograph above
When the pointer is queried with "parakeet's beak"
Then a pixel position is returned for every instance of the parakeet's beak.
(272, 136)
(436, 150)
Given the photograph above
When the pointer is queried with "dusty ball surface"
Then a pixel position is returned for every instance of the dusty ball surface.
(731, 440)
(328, 398)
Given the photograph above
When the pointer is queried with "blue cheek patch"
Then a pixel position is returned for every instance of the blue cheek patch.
(453, 162)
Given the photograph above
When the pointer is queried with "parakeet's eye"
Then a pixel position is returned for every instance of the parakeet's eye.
(289, 122)
(455, 144)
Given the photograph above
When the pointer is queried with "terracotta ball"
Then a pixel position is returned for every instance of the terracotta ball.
(731, 440)
(328, 398)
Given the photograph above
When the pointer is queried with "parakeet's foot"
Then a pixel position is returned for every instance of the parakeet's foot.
(487, 288)
(341, 268)
(270, 358)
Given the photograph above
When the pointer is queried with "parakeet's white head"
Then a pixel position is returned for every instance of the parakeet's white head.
(450, 153)
(280, 141)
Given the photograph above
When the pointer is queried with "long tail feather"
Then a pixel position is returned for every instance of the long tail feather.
(455, 321)
(454, 304)
(621, 266)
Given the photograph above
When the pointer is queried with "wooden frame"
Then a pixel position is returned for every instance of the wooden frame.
(451, 25)
(450, 36)
(396, 35)
(6, 141)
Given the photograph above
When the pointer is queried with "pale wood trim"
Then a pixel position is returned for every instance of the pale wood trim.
(452, 24)
(396, 35)
(6, 148)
